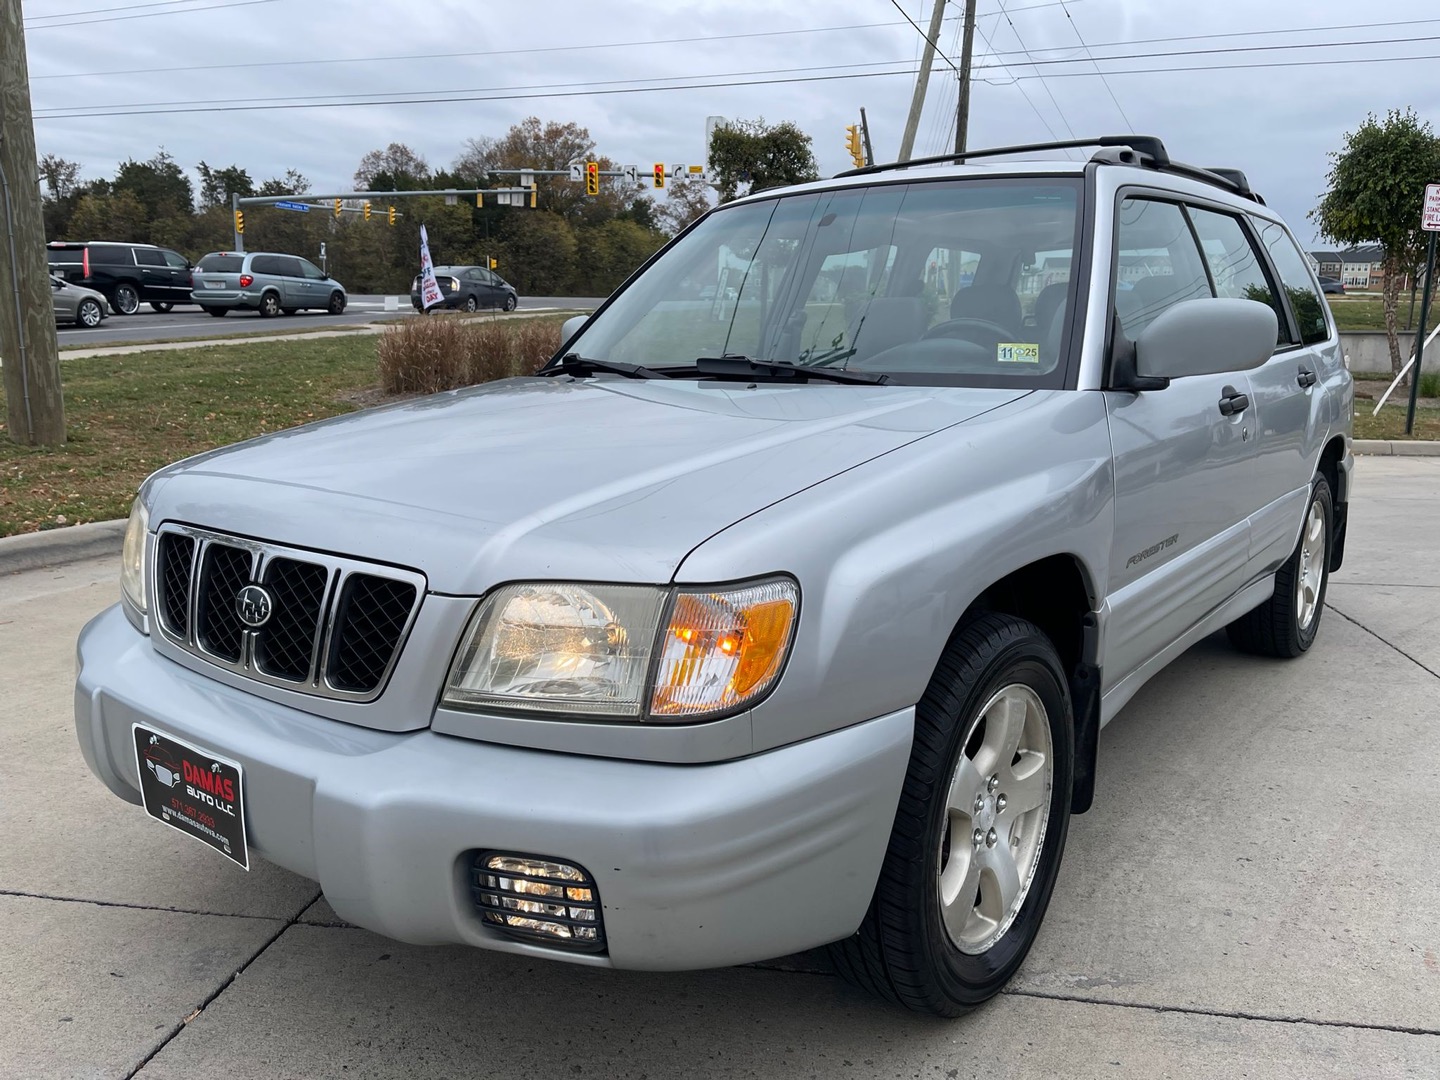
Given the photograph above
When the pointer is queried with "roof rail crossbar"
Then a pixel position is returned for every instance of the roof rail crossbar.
(1148, 145)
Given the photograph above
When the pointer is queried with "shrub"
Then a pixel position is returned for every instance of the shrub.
(444, 352)
(1430, 384)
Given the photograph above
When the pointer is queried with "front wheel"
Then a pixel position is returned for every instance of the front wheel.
(980, 828)
(89, 314)
(127, 299)
(1286, 624)
(337, 303)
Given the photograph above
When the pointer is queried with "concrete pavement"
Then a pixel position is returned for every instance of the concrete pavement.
(1255, 894)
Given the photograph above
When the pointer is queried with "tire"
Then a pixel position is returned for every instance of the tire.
(471, 304)
(337, 303)
(289, 310)
(269, 305)
(1285, 625)
(127, 299)
(915, 948)
(163, 309)
(511, 303)
(218, 312)
(88, 314)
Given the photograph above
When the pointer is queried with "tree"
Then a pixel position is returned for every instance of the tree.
(217, 185)
(62, 177)
(292, 183)
(1376, 189)
(536, 144)
(537, 252)
(396, 168)
(160, 185)
(119, 216)
(685, 200)
(760, 155)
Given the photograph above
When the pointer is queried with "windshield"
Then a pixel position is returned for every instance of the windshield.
(956, 281)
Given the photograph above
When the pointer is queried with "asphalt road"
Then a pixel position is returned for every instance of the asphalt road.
(187, 321)
(1255, 894)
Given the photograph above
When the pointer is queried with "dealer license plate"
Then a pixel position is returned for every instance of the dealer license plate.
(192, 790)
(215, 284)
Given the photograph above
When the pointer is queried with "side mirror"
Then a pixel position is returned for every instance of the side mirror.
(571, 327)
(1204, 337)
(54, 284)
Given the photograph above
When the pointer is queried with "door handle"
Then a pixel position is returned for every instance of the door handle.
(1232, 402)
(1306, 377)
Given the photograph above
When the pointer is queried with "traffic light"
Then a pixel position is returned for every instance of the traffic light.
(592, 178)
(392, 216)
(338, 203)
(659, 175)
(534, 192)
(240, 221)
(852, 143)
(367, 209)
(479, 199)
(494, 263)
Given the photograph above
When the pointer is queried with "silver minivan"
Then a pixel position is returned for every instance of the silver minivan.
(267, 282)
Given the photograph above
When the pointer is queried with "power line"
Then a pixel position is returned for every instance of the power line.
(989, 44)
(1128, 125)
(923, 34)
(721, 85)
(151, 14)
(1059, 111)
(101, 11)
(355, 98)
(472, 55)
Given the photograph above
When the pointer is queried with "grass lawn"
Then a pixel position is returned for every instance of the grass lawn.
(1365, 313)
(1390, 424)
(127, 416)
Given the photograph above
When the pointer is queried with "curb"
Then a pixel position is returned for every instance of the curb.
(1397, 447)
(56, 547)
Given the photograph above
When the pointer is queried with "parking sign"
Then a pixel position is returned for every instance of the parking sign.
(1430, 218)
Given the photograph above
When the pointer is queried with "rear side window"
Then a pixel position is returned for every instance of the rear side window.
(1234, 264)
(287, 266)
(149, 257)
(221, 264)
(1157, 263)
(267, 264)
(1299, 286)
(110, 255)
(62, 256)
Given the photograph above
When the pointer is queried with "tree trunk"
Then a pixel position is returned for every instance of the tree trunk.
(1391, 293)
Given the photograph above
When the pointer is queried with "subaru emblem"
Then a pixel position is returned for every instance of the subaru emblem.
(253, 604)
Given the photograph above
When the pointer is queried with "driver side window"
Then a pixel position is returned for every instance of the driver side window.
(1157, 263)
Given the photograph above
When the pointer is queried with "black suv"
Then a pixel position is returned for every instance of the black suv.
(128, 274)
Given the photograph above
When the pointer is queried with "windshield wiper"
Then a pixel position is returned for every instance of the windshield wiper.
(580, 366)
(780, 370)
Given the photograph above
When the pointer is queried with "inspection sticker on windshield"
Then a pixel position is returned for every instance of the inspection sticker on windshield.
(1017, 352)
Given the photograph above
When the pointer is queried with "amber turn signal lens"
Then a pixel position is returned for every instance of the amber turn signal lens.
(723, 649)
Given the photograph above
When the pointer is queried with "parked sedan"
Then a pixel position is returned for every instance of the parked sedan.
(1332, 286)
(77, 304)
(469, 288)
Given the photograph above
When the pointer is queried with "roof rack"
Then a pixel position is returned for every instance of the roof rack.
(1145, 151)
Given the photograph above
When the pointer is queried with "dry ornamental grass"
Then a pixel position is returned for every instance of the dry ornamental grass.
(444, 352)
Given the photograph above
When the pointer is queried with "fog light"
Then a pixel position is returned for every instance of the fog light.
(539, 900)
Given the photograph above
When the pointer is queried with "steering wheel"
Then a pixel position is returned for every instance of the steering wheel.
(966, 328)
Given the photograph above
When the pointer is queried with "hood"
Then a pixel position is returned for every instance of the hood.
(588, 479)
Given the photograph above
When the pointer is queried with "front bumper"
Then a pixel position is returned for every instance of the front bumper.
(696, 865)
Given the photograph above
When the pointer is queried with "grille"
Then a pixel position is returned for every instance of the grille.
(177, 553)
(335, 627)
(369, 620)
(224, 571)
(285, 646)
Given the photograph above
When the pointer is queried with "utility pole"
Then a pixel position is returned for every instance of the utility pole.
(922, 82)
(865, 135)
(962, 112)
(35, 409)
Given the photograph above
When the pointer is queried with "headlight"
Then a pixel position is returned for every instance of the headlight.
(132, 556)
(605, 651)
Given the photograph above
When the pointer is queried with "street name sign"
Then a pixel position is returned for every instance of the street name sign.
(304, 208)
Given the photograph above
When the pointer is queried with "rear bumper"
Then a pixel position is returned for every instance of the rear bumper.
(244, 299)
(696, 865)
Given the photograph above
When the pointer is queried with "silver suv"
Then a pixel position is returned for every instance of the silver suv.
(783, 608)
(266, 282)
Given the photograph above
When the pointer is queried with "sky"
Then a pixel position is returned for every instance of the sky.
(627, 70)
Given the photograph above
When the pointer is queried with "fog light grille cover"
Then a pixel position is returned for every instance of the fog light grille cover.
(539, 900)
